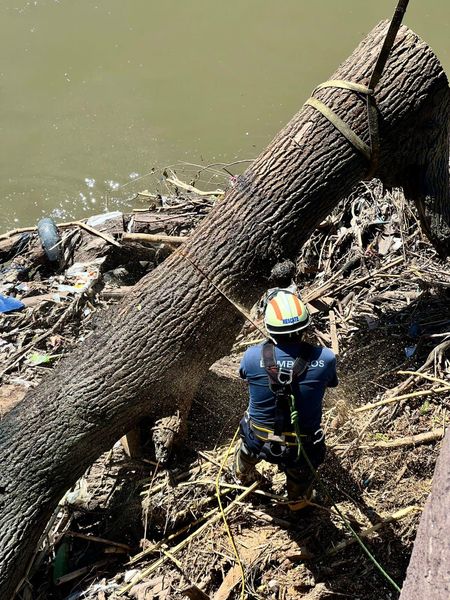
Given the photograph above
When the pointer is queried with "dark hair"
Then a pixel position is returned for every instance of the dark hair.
(282, 274)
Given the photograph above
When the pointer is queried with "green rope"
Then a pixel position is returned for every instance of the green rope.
(326, 491)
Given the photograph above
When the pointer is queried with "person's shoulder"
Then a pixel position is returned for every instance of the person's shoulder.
(327, 354)
(252, 352)
(255, 348)
(322, 352)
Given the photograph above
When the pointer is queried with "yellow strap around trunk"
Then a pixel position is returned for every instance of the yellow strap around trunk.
(345, 85)
(341, 126)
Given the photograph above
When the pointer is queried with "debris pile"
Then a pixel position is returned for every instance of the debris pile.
(53, 278)
(379, 296)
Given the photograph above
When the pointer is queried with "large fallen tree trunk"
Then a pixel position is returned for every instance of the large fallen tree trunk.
(428, 573)
(148, 355)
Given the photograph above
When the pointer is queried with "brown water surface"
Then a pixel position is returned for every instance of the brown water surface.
(95, 94)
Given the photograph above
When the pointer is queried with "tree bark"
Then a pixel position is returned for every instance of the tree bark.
(147, 356)
(428, 573)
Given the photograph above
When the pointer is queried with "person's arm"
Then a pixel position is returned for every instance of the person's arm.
(242, 368)
(333, 378)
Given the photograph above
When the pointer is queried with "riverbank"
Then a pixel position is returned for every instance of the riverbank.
(379, 296)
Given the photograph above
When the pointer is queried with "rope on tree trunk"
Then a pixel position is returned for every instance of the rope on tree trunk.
(372, 152)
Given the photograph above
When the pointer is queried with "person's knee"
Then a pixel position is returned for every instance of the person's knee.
(244, 464)
(246, 455)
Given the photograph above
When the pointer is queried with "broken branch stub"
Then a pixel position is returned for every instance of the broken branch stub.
(147, 356)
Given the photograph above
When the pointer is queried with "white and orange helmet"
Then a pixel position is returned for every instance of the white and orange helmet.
(285, 313)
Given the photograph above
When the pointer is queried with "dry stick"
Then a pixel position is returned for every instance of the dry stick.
(401, 473)
(108, 238)
(410, 440)
(210, 459)
(116, 293)
(19, 355)
(145, 194)
(99, 540)
(244, 345)
(425, 376)
(171, 557)
(140, 576)
(428, 363)
(194, 471)
(170, 537)
(231, 486)
(33, 301)
(13, 232)
(369, 276)
(402, 397)
(153, 238)
(400, 514)
(320, 291)
(234, 574)
(333, 332)
(88, 228)
(82, 571)
(190, 188)
(323, 338)
(184, 512)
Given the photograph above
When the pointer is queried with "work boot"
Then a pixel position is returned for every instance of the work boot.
(244, 469)
(300, 494)
(302, 503)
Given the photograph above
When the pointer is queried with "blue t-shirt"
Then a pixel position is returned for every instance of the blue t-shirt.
(308, 392)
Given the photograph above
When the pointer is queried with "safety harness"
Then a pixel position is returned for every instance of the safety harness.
(280, 383)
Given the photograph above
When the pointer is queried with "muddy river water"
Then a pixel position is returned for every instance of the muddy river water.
(97, 96)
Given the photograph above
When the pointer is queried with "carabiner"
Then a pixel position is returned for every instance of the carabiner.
(322, 436)
(288, 373)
